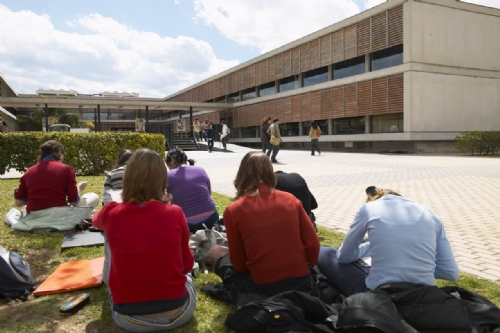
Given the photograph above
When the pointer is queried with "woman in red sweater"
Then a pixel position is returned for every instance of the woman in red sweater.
(270, 237)
(150, 284)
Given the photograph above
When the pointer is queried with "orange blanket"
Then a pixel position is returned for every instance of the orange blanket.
(71, 276)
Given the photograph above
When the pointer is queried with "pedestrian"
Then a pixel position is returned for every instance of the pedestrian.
(264, 137)
(210, 137)
(205, 128)
(197, 129)
(314, 134)
(275, 138)
(224, 135)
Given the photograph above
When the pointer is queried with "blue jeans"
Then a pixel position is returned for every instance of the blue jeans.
(266, 145)
(314, 146)
(208, 222)
(349, 279)
(276, 149)
(145, 324)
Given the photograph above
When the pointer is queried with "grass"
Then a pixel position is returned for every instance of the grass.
(43, 251)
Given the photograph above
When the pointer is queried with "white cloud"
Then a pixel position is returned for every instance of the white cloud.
(487, 3)
(107, 55)
(265, 24)
(372, 3)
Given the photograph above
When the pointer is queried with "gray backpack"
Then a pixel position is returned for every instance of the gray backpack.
(15, 276)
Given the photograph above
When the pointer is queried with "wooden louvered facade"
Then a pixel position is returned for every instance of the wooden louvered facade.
(371, 97)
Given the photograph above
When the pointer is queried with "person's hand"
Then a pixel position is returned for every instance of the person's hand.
(81, 186)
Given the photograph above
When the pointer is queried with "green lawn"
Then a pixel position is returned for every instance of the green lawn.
(43, 252)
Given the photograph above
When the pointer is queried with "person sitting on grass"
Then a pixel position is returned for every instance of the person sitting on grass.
(407, 243)
(271, 240)
(115, 177)
(191, 189)
(150, 284)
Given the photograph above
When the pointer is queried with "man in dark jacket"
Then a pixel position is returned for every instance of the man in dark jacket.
(294, 183)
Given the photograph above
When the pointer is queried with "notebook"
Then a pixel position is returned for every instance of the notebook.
(365, 264)
(72, 275)
(75, 239)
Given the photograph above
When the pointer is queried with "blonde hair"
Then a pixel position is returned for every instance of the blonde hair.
(374, 193)
(145, 178)
(255, 168)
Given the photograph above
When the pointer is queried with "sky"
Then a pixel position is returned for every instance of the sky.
(153, 47)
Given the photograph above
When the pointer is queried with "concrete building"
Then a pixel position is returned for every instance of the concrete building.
(407, 74)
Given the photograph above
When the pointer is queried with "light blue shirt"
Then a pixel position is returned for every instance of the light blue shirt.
(407, 243)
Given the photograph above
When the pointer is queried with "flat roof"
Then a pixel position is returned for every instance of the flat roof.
(125, 103)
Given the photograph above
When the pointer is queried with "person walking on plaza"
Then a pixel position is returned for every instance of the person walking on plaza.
(210, 137)
(204, 127)
(314, 134)
(197, 129)
(275, 138)
(224, 135)
(264, 137)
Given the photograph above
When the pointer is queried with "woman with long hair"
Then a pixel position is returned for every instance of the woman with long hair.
(270, 237)
(143, 231)
(191, 190)
(265, 137)
(314, 134)
(407, 243)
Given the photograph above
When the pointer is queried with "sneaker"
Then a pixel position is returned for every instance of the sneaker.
(274, 161)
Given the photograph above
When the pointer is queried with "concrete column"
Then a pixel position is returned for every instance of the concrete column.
(330, 72)
(330, 126)
(98, 118)
(191, 121)
(257, 91)
(367, 63)
(301, 82)
(276, 86)
(368, 123)
(147, 119)
(239, 95)
(300, 129)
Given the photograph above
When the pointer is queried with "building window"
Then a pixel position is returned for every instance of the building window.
(323, 125)
(387, 58)
(315, 76)
(354, 125)
(387, 123)
(289, 83)
(249, 132)
(349, 68)
(121, 115)
(88, 116)
(233, 98)
(266, 89)
(289, 129)
(248, 94)
(221, 99)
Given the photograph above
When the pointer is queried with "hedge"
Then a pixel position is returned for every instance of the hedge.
(88, 153)
(482, 142)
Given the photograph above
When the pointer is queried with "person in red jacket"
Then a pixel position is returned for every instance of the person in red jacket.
(151, 287)
(270, 237)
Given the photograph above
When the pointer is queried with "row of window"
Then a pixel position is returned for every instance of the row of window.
(387, 123)
(378, 60)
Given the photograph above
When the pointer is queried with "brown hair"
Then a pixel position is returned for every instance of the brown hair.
(145, 177)
(374, 193)
(275, 120)
(265, 120)
(255, 168)
(51, 148)
(123, 157)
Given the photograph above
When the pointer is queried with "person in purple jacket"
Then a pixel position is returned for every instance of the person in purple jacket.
(190, 188)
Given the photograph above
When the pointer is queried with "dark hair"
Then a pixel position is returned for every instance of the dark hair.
(178, 156)
(265, 120)
(275, 120)
(123, 157)
(314, 125)
(373, 193)
(223, 122)
(51, 148)
(255, 168)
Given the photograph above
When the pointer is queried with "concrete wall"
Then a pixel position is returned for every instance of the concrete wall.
(451, 103)
(451, 36)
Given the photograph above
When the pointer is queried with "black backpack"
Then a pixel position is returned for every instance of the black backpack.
(15, 276)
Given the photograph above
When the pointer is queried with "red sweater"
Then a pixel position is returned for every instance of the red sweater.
(150, 252)
(47, 184)
(271, 236)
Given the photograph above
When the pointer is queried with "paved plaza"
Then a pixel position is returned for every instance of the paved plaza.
(463, 191)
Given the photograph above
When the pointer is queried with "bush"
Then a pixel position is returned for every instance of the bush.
(487, 142)
(87, 153)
